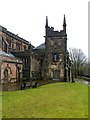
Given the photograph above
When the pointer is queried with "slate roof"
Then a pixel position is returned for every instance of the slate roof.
(2, 53)
(42, 46)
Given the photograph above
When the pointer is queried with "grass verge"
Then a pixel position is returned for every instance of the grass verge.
(57, 100)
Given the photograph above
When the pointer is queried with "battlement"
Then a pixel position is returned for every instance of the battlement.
(51, 33)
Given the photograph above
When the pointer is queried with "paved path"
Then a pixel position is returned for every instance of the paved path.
(83, 81)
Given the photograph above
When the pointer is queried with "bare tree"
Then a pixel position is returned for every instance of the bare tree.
(78, 59)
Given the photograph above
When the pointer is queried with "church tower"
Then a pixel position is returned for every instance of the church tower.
(55, 52)
(64, 24)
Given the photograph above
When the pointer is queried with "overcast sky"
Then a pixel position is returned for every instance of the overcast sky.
(27, 19)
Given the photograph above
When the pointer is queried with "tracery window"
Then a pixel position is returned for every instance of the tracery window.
(3, 44)
(9, 42)
(17, 46)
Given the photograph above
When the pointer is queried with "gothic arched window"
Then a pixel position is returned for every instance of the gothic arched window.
(7, 73)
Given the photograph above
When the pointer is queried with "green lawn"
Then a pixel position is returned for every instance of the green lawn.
(57, 100)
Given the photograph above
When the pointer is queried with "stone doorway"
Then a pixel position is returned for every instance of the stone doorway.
(56, 74)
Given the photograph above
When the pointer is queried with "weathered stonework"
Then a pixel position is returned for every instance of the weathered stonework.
(55, 61)
(21, 60)
(11, 70)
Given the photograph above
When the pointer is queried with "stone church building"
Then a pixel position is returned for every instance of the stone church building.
(20, 60)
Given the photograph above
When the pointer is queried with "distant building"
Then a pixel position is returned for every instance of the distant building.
(19, 60)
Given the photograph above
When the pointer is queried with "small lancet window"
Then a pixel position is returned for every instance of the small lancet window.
(55, 57)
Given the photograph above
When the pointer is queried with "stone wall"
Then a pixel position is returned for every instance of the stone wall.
(14, 68)
(55, 54)
(11, 86)
(12, 74)
(35, 68)
(14, 42)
